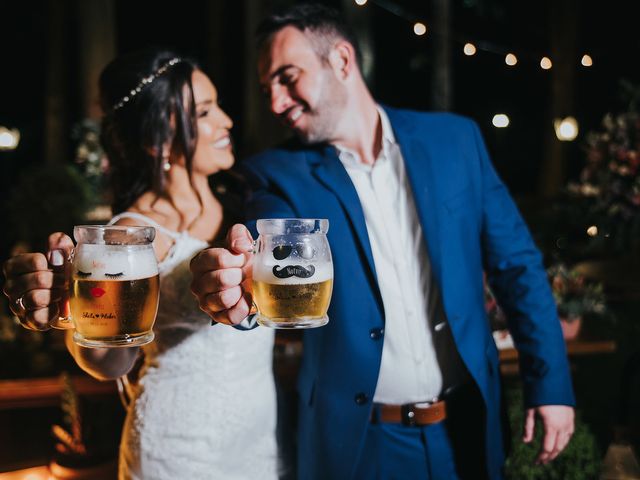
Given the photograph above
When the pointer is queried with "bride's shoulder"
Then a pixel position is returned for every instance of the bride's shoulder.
(135, 216)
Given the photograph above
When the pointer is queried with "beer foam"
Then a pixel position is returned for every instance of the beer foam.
(114, 262)
(263, 272)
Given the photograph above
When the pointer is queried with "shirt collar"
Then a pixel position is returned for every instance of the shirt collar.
(388, 137)
(351, 159)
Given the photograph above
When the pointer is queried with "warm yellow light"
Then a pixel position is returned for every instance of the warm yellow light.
(469, 49)
(510, 59)
(419, 28)
(361, 2)
(586, 61)
(545, 63)
(592, 231)
(500, 120)
(34, 476)
(9, 139)
(566, 129)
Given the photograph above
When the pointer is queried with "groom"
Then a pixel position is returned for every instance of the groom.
(404, 381)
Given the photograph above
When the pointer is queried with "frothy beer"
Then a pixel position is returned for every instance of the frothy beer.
(298, 296)
(114, 291)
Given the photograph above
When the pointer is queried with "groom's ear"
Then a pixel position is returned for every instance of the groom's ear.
(342, 59)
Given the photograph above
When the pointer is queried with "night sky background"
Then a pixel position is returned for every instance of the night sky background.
(483, 84)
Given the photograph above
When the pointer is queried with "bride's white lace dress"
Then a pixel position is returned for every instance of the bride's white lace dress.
(205, 406)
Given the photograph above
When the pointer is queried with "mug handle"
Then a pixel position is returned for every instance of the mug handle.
(63, 322)
(254, 250)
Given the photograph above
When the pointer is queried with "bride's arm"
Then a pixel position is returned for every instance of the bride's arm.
(102, 363)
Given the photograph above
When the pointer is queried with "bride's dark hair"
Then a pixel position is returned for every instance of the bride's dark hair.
(139, 122)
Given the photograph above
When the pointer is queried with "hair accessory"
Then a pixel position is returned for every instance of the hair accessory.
(144, 82)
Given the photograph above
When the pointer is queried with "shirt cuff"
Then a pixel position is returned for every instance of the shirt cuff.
(249, 323)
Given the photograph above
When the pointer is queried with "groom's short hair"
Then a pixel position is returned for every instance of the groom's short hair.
(324, 24)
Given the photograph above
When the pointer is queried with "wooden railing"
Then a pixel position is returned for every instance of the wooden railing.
(575, 348)
(45, 392)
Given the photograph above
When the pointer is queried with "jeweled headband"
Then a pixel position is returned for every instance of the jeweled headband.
(145, 82)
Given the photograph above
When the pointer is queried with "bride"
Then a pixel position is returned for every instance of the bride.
(204, 406)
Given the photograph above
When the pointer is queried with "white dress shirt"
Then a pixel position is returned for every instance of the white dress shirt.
(409, 371)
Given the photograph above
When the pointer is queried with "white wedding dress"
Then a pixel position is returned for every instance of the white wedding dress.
(205, 404)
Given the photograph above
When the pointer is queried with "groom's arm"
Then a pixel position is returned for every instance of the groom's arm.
(518, 278)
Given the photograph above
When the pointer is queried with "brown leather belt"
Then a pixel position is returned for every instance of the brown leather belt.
(418, 414)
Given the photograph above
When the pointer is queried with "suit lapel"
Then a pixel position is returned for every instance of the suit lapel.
(331, 173)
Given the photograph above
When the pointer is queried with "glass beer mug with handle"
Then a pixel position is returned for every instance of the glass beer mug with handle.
(292, 273)
(114, 289)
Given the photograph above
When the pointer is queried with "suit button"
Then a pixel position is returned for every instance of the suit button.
(376, 333)
(361, 398)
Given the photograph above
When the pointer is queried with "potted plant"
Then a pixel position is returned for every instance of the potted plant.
(610, 184)
(575, 298)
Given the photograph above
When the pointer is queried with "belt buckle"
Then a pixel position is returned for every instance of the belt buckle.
(408, 414)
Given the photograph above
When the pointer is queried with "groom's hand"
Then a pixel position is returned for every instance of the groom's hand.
(558, 424)
(222, 278)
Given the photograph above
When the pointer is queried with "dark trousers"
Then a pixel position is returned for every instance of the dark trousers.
(453, 449)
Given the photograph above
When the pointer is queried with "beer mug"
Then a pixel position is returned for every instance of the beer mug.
(292, 273)
(114, 289)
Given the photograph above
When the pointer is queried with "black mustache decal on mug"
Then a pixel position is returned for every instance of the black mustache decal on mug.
(294, 271)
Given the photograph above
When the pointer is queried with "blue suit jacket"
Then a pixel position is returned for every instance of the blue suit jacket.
(470, 225)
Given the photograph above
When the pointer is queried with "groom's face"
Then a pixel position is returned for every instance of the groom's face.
(302, 89)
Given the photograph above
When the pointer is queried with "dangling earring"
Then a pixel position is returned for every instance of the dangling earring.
(166, 164)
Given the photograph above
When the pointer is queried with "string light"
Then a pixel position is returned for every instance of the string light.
(419, 28)
(500, 120)
(9, 138)
(545, 63)
(566, 129)
(469, 49)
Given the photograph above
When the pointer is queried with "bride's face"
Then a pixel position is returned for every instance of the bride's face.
(213, 150)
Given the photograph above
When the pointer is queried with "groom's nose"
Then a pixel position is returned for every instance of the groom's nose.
(280, 100)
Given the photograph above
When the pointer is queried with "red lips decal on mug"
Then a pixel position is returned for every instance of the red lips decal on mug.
(97, 292)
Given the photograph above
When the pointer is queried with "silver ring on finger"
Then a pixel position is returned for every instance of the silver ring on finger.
(19, 303)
